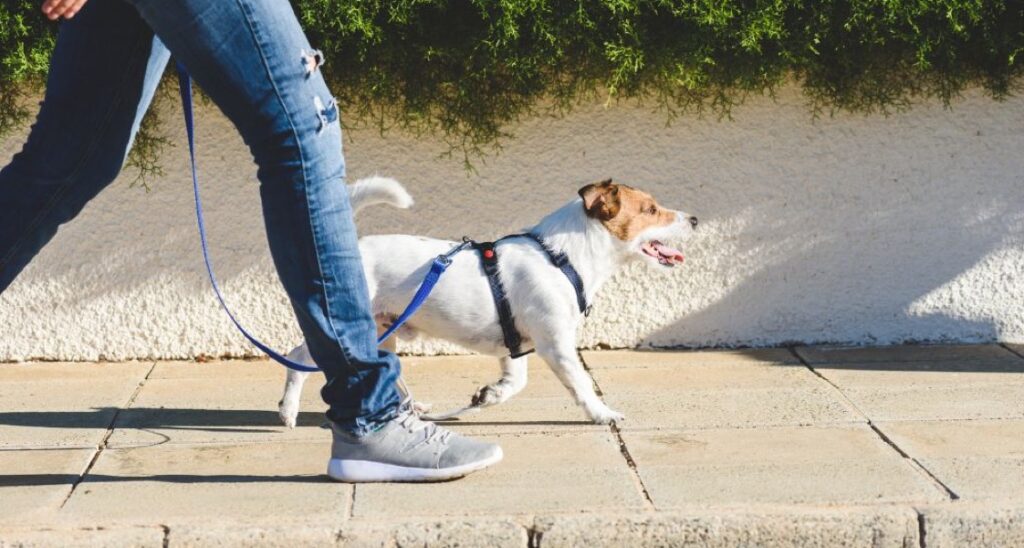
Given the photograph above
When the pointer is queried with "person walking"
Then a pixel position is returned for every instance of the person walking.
(253, 60)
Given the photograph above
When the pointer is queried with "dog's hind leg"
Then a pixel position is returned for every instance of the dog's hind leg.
(513, 380)
(288, 407)
(566, 364)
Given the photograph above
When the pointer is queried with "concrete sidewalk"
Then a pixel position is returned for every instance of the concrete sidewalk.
(901, 446)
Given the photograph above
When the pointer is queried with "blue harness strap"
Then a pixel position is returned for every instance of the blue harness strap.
(439, 265)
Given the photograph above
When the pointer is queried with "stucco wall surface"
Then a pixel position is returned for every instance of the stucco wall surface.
(848, 229)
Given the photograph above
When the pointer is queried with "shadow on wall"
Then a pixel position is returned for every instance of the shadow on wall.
(920, 260)
(848, 229)
(851, 230)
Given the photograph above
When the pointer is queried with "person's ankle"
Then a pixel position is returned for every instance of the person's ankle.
(358, 428)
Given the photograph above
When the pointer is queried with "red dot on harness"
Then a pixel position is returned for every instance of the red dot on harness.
(489, 254)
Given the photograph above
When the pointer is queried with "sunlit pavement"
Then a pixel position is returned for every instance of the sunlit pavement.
(901, 446)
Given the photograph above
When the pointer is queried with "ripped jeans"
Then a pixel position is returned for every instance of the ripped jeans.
(252, 58)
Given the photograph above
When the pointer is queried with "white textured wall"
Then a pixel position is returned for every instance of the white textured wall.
(849, 229)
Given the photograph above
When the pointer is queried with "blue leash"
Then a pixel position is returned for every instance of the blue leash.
(439, 265)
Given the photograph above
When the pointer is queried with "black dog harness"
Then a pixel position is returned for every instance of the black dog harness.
(489, 259)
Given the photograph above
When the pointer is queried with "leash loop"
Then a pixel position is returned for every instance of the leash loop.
(185, 86)
(439, 265)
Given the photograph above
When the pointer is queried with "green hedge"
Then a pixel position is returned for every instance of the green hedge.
(466, 69)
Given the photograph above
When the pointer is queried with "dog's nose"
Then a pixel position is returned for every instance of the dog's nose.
(693, 222)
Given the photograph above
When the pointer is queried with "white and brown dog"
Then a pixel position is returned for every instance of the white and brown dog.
(608, 226)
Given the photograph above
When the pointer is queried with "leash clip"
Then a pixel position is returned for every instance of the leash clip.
(445, 259)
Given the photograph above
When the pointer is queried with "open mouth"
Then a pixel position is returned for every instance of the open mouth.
(666, 256)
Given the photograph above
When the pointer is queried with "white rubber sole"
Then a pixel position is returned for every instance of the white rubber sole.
(361, 471)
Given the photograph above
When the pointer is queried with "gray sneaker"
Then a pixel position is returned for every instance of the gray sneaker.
(407, 448)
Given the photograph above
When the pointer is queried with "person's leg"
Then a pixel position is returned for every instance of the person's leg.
(252, 58)
(103, 74)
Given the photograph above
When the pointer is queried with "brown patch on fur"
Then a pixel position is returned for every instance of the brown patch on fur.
(624, 210)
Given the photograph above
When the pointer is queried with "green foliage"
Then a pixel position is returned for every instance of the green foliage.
(466, 69)
(25, 45)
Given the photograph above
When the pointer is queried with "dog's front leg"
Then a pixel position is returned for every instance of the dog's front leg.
(566, 364)
(513, 380)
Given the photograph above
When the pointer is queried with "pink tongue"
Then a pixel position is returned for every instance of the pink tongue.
(667, 252)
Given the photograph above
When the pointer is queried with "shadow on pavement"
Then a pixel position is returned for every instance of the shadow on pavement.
(1009, 362)
(221, 420)
(39, 480)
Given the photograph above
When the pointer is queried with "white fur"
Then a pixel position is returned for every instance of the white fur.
(378, 190)
(461, 308)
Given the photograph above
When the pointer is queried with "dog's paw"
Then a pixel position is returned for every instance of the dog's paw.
(488, 395)
(289, 412)
(605, 415)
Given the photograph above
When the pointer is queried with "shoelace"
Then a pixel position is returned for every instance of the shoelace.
(409, 419)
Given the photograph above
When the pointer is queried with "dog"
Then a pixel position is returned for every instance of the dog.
(606, 227)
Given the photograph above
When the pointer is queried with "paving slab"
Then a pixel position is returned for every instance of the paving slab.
(877, 527)
(976, 525)
(923, 373)
(699, 409)
(497, 532)
(521, 415)
(152, 535)
(631, 359)
(296, 534)
(459, 377)
(712, 436)
(808, 465)
(1016, 348)
(976, 459)
(221, 370)
(216, 410)
(276, 481)
(449, 382)
(670, 390)
(667, 370)
(970, 401)
(578, 471)
(904, 353)
(34, 483)
(933, 389)
(63, 404)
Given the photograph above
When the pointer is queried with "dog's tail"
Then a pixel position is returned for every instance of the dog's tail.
(378, 190)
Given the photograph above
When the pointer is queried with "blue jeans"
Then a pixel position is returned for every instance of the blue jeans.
(251, 58)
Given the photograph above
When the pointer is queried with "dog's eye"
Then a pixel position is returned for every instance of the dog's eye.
(651, 210)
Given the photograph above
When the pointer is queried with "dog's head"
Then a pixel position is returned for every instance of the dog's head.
(638, 224)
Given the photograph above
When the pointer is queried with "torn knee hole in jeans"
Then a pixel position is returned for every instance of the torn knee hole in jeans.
(327, 114)
(312, 60)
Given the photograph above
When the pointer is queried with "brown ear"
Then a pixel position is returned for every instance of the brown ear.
(601, 200)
